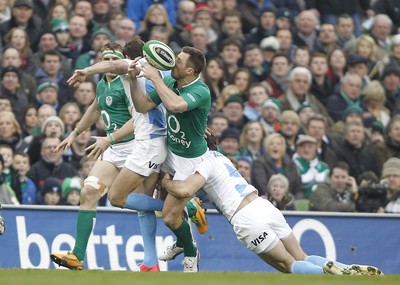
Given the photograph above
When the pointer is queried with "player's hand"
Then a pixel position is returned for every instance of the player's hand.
(135, 69)
(78, 77)
(66, 143)
(98, 147)
(150, 72)
(211, 138)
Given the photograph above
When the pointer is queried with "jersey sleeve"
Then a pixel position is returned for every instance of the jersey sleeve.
(168, 80)
(196, 97)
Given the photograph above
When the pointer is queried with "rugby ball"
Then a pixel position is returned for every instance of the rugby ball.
(159, 55)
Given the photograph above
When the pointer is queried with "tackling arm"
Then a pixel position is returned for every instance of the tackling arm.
(183, 188)
(141, 100)
(172, 102)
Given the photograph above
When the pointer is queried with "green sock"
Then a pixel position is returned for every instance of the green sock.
(84, 228)
(184, 236)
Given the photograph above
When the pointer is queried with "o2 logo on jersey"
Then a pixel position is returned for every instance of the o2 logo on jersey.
(173, 124)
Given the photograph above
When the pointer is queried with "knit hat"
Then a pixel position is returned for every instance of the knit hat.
(59, 25)
(270, 44)
(245, 159)
(51, 184)
(47, 84)
(234, 98)
(391, 69)
(102, 31)
(356, 59)
(284, 13)
(391, 167)
(305, 105)
(10, 68)
(352, 109)
(229, 133)
(273, 102)
(53, 119)
(377, 126)
(26, 3)
(71, 184)
(305, 139)
(200, 9)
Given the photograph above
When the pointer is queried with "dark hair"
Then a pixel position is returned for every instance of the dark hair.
(51, 52)
(134, 47)
(341, 165)
(2, 160)
(232, 40)
(279, 54)
(114, 46)
(317, 117)
(196, 59)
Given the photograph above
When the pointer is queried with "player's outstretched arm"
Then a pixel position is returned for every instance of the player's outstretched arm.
(183, 188)
(141, 100)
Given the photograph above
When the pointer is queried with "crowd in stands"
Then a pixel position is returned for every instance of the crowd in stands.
(306, 93)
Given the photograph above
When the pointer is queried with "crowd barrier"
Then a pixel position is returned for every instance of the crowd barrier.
(33, 232)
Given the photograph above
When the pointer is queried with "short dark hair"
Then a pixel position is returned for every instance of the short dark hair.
(317, 117)
(341, 165)
(134, 47)
(114, 46)
(196, 59)
(232, 40)
(51, 52)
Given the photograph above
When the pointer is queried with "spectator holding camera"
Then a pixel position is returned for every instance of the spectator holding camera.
(338, 193)
(391, 172)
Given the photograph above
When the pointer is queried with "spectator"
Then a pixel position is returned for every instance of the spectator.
(231, 54)
(84, 94)
(305, 112)
(317, 128)
(10, 89)
(228, 143)
(312, 170)
(18, 39)
(233, 110)
(214, 76)
(322, 85)
(7, 152)
(202, 16)
(30, 123)
(22, 15)
(284, 18)
(244, 167)
(380, 32)
(116, 16)
(60, 29)
(101, 11)
(270, 113)
(70, 114)
(301, 56)
(374, 98)
(85, 165)
(51, 192)
(298, 92)
(250, 11)
(278, 193)
(285, 39)
(84, 8)
(10, 132)
(184, 17)
(391, 172)
(47, 93)
(50, 70)
(23, 186)
(27, 82)
(345, 32)
(258, 94)
(71, 189)
(356, 151)
(156, 15)
(136, 10)
(289, 128)
(5, 12)
(7, 195)
(125, 30)
(269, 47)
(242, 79)
(79, 31)
(56, 11)
(218, 123)
(391, 83)
(227, 92)
(251, 140)
(265, 28)
(50, 164)
(327, 38)
(390, 8)
(231, 26)
(254, 62)
(77, 151)
(275, 161)
(306, 30)
(394, 57)
(278, 78)
(336, 194)
(51, 127)
(337, 61)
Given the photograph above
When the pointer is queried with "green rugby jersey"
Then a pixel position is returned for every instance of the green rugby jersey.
(186, 129)
(114, 105)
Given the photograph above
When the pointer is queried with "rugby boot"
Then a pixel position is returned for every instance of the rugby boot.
(68, 260)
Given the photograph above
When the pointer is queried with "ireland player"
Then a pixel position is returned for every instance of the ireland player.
(259, 225)
(188, 101)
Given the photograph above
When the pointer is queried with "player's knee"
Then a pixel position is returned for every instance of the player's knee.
(115, 200)
(93, 189)
(172, 220)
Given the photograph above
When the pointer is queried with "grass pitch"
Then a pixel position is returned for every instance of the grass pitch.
(61, 277)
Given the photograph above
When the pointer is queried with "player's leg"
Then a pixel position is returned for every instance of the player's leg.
(95, 186)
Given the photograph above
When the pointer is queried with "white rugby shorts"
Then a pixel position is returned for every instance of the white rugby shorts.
(260, 226)
(117, 153)
(181, 167)
(147, 156)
